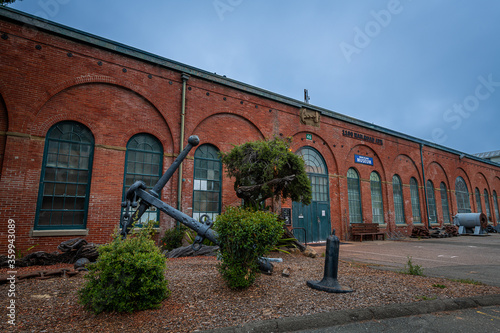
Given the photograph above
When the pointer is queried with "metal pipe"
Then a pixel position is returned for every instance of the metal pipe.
(185, 77)
(425, 185)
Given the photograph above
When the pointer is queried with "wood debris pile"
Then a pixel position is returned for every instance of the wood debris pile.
(424, 232)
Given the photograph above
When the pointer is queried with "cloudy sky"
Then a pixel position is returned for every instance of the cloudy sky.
(425, 68)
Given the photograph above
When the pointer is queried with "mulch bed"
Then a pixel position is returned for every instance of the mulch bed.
(200, 299)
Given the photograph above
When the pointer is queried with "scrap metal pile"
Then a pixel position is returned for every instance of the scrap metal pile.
(424, 232)
(72, 250)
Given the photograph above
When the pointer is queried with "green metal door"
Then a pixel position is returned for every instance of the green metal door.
(315, 218)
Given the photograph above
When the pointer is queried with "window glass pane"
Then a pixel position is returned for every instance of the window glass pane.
(376, 196)
(73, 176)
(144, 161)
(51, 160)
(48, 189)
(431, 202)
(60, 188)
(495, 203)
(58, 203)
(317, 172)
(354, 197)
(397, 191)
(71, 190)
(478, 201)
(462, 196)
(56, 218)
(444, 203)
(47, 202)
(415, 201)
(487, 205)
(44, 218)
(207, 182)
(313, 160)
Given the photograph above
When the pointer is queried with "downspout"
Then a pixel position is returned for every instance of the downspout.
(184, 77)
(425, 185)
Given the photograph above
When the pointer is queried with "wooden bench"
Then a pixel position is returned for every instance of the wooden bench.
(365, 229)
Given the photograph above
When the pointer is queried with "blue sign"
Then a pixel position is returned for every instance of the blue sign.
(363, 159)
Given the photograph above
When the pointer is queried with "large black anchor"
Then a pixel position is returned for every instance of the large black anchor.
(138, 196)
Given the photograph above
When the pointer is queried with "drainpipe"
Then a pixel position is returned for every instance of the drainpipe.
(425, 185)
(184, 77)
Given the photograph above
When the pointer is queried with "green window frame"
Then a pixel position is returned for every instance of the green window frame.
(431, 202)
(317, 172)
(487, 204)
(444, 203)
(415, 201)
(63, 194)
(462, 196)
(207, 182)
(143, 161)
(377, 200)
(495, 203)
(397, 191)
(354, 196)
(478, 201)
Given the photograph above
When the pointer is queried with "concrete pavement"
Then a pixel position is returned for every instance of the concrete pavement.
(378, 319)
(482, 320)
(463, 257)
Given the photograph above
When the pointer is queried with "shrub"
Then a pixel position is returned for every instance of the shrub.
(128, 276)
(173, 238)
(413, 269)
(244, 236)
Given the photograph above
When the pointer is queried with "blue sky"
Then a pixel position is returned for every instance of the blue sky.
(425, 68)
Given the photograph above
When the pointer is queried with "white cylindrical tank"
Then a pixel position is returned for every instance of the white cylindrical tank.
(470, 220)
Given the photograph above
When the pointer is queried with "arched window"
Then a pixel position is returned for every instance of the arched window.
(65, 180)
(354, 196)
(207, 182)
(397, 191)
(431, 202)
(462, 196)
(487, 204)
(478, 201)
(143, 161)
(316, 170)
(495, 203)
(444, 203)
(377, 202)
(415, 201)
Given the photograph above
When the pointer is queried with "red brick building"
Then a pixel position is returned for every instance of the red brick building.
(81, 117)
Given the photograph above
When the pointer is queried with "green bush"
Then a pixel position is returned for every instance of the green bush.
(413, 269)
(128, 276)
(173, 238)
(244, 236)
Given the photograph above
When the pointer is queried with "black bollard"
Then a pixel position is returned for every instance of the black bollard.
(329, 282)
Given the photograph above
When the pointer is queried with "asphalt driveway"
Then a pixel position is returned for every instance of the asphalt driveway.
(462, 257)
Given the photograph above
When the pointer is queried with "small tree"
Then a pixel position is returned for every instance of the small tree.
(267, 169)
(128, 276)
(6, 2)
(245, 236)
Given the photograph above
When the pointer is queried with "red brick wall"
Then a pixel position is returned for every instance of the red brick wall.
(118, 96)
(3, 130)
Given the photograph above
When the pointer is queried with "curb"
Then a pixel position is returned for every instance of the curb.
(333, 318)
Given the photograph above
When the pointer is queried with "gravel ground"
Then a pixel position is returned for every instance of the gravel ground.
(200, 300)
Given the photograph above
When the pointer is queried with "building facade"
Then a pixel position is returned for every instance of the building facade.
(82, 118)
